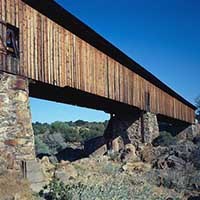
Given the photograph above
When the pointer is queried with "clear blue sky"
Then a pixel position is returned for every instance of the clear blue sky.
(162, 35)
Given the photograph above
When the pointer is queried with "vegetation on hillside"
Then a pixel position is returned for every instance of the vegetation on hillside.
(102, 179)
(53, 138)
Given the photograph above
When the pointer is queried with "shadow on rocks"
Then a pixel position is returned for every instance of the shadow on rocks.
(70, 154)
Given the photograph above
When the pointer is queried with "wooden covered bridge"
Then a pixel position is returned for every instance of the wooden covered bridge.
(61, 59)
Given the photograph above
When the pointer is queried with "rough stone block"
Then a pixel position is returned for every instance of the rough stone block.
(4, 98)
(19, 84)
(21, 96)
(100, 151)
(117, 144)
(34, 172)
(11, 142)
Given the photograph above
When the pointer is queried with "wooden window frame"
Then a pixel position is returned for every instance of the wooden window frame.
(12, 40)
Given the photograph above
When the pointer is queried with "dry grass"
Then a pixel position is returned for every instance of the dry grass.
(13, 187)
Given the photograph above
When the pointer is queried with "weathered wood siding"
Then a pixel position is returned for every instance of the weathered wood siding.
(51, 54)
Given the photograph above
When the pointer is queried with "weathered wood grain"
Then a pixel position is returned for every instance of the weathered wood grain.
(51, 54)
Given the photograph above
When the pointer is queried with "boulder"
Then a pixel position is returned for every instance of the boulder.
(136, 166)
(150, 154)
(65, 172)
(195, 158)
(183, 149)
(34, 174)
(117, 144)
(175, 162)
(129, 153)
(196, 140)
(95, 147)
(47, 168)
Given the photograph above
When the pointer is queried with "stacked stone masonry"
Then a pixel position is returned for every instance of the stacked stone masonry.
(16, 133)
(133, 129)
(150, 128)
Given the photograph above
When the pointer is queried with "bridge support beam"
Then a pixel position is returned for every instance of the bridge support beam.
(16, 133)
(134, 128)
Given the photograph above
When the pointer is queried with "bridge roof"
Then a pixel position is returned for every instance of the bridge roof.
(62, 17)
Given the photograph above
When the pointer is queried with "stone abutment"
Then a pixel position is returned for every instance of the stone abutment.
(16, 133)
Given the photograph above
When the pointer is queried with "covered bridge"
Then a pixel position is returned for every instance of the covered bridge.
(50, 54)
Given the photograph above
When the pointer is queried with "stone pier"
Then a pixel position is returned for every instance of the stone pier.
(150, 127)
(16, 133)
(137, 128)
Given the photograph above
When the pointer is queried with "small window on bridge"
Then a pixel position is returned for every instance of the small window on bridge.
(12, 40)
(147, 101)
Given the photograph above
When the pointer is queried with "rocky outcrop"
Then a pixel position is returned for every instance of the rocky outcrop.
(47, 168)
(16, 133)
(125, 134)
(65, 172)
(189, 133)
(175, 166)
(173, 156)
(136, 166)
(128, 154)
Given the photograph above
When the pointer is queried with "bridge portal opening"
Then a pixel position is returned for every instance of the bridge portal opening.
(61, 130)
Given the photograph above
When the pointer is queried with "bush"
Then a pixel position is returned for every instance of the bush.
(117, 189)
(53, 138)
(78, 131)
(40, 128)
(111, 169)
(56, 190)
(164, 139)
(40, 146)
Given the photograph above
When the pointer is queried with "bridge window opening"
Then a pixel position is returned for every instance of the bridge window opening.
(12, 40)
(65, 132)
(147, 101)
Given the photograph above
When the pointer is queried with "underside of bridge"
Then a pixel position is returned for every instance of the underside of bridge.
(80, 98)
(16, 134)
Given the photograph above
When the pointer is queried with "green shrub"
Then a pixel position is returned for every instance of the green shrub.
(56, 190)
(78, 131)
(40, 146)
(164, 139)
(111, 169)
(41, 128)
(115, 189)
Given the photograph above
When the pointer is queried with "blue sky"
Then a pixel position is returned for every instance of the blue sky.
(163, 36)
